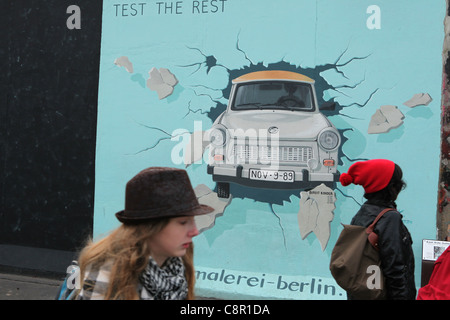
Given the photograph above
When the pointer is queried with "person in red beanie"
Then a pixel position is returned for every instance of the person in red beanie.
(382, 181)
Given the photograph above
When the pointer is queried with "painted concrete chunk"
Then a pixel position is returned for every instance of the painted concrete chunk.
(384, 119)
(124, 62)
(419, 99)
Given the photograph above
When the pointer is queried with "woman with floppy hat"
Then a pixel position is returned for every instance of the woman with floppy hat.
(149, 256)
(382, 182)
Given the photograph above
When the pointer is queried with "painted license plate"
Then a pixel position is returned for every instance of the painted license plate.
(270, 175)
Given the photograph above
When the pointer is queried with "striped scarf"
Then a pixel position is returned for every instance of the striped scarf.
(167, 282)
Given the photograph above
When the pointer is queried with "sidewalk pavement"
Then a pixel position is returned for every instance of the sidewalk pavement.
(25, 287)
(28, 287)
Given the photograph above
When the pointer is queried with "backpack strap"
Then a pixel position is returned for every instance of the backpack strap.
(372, 236)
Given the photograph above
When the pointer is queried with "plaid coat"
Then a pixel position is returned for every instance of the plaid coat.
(96, 283)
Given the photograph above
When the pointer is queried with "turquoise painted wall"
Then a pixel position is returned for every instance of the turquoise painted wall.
(361, 59)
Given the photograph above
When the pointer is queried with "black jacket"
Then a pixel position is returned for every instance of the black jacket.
(396, 254)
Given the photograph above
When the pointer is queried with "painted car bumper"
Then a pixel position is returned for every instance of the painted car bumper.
(241, 175)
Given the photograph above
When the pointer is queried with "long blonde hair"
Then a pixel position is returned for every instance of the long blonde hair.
(128, 249)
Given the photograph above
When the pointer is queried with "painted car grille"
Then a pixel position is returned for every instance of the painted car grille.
(264, 154)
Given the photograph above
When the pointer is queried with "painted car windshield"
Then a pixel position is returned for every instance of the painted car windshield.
(281, 95)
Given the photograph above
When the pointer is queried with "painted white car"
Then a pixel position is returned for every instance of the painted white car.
(272, 135)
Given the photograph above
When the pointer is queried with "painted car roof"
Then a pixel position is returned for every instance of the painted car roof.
(273, 75)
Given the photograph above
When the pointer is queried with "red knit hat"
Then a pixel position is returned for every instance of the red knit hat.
(373, 175)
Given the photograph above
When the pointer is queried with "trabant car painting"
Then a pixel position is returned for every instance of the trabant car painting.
(272, 135)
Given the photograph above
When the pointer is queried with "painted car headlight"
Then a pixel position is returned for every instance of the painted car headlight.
(329, 140)
(218, 136)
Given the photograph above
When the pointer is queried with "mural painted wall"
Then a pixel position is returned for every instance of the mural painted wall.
(368, 75)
